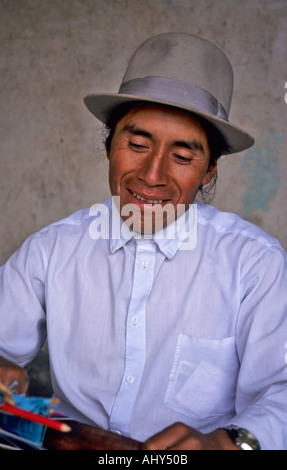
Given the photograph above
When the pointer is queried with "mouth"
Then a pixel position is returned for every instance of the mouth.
(146, 200)
(153, 211)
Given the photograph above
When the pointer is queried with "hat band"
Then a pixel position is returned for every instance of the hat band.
(174, 91)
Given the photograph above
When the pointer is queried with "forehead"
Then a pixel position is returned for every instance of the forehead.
(158, 117)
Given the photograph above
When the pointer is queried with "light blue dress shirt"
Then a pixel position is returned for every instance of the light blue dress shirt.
(143, 333)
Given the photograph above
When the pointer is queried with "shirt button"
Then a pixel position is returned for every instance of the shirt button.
(130, 379)
(144, 263)
(135, 320)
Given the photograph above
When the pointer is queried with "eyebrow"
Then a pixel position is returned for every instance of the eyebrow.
(135, 130)
(192, 145)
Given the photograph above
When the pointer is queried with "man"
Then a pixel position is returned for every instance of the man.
(179, 345)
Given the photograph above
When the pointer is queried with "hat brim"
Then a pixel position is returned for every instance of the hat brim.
(101, 106)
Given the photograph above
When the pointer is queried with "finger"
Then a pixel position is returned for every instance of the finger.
(15, 375)
(167, 438)
(188, 442)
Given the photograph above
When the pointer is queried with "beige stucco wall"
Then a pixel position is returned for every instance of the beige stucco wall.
(54, 52)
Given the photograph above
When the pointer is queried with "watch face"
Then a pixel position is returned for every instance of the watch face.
(243, 439)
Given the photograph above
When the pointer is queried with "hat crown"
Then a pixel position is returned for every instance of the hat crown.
(184, 57)
(183, 71)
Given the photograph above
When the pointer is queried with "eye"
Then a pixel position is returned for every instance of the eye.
(182, 158)
(137, 147)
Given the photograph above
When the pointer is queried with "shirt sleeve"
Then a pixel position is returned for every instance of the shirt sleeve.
(22, 303)
(261, 401)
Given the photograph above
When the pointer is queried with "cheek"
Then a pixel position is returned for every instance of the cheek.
(117, 171)
(188, 191)
(113, 174)
(189, 184)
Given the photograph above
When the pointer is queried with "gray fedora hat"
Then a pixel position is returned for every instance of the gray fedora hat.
(183, 71)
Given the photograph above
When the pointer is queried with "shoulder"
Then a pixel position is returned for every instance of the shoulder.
(77, 222)
(67, 235)
(231, 226)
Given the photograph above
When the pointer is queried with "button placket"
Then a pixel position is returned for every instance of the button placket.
(135, 336)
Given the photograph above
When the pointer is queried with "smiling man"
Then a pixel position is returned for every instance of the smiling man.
(159, 156)
(179, 349)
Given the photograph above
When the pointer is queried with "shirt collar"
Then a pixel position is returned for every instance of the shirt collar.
(179, 235)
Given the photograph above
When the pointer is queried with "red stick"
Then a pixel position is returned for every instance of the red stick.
(14, 410)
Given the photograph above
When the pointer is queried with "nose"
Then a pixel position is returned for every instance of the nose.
(154, 171)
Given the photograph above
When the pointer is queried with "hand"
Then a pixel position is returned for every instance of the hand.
(181, 437)
(10, 373)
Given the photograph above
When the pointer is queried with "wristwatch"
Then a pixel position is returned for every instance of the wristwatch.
(242, 438)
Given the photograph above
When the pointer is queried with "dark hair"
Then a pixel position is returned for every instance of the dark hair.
(216, 142)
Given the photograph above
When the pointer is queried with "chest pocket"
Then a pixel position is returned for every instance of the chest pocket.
(203, 379)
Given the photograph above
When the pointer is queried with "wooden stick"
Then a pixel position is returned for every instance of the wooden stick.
(20, 413)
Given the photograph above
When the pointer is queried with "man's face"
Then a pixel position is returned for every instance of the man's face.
(159, 156)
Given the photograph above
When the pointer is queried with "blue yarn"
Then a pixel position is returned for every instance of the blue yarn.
(24, 428)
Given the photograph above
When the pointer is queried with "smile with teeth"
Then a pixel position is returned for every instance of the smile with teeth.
(148, 201)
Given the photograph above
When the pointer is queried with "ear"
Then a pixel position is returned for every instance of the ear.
(209, 175)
